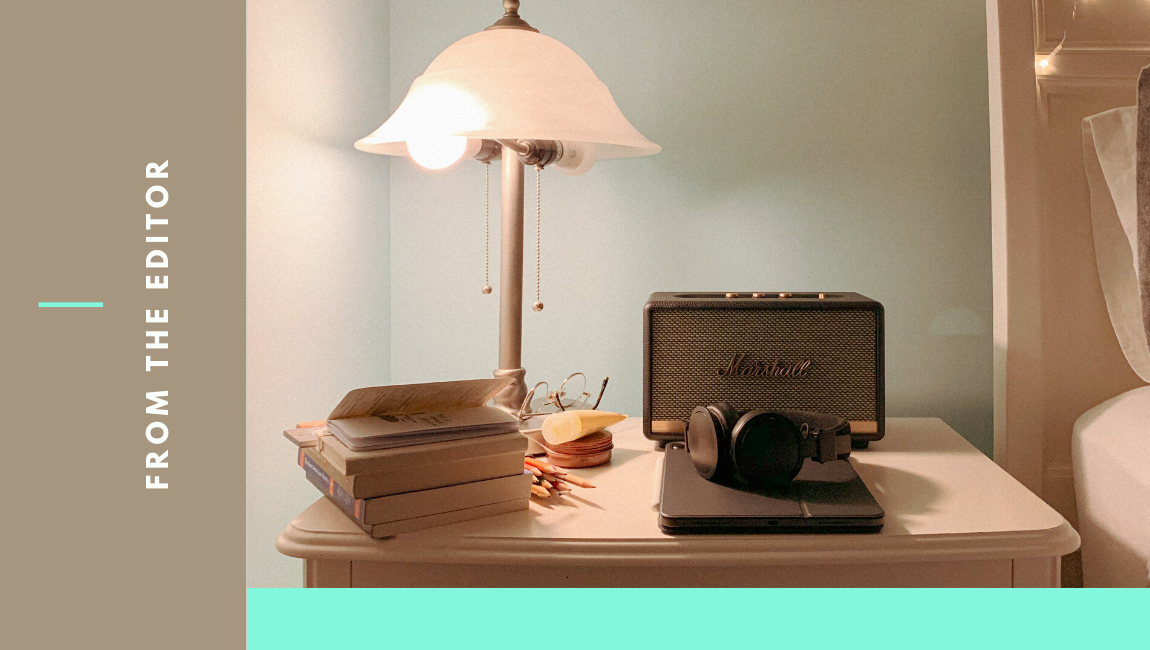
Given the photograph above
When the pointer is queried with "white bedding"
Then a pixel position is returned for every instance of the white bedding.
(1111, 455)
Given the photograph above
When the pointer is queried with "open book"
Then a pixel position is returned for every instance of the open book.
(385, 417)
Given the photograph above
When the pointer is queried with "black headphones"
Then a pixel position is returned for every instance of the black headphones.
(763, 446)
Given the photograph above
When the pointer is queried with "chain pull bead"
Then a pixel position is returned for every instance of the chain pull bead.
(487, 228)
(538, 305)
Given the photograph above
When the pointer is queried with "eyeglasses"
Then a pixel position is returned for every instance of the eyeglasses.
(572, 394)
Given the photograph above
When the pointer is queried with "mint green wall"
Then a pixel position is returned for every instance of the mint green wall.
(807, 146)
(317, 229)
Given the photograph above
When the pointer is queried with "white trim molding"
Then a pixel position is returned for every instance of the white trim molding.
(1015, 248)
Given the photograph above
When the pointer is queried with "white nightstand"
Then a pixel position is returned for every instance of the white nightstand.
(953, 518)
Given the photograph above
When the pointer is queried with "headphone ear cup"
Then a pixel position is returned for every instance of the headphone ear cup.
(766, 448)
(704, 435)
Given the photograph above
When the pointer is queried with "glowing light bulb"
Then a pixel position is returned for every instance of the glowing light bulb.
(436, 152)
(1043, 63)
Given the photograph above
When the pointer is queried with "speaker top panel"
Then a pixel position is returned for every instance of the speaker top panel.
(761, 300)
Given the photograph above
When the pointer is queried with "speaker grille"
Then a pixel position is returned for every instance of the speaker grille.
(689, 347)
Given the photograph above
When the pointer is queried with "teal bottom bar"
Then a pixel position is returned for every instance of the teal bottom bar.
(71, 304)
(707, 619)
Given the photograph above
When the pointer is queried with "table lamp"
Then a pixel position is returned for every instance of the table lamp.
(509, 93)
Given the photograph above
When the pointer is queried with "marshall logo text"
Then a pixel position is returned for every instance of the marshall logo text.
(740, 366)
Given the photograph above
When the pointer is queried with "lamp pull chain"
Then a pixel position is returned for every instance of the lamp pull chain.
(538, 306)
(487, 228)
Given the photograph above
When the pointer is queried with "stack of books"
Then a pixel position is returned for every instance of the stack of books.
(402, 458)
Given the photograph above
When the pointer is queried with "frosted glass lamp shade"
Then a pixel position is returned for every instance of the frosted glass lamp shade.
(509, 84)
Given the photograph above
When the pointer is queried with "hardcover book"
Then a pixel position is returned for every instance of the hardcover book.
(350, 462)
(445, 518)
(420, 477)
(421, 503)
(349, 506)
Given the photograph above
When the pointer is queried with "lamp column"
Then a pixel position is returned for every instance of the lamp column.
(511, 285)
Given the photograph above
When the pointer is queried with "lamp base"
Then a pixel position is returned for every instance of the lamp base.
(510, 399)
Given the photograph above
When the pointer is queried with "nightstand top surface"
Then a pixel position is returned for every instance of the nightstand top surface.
(944, 500)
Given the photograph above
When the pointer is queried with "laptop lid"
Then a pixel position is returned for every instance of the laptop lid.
(824, 497)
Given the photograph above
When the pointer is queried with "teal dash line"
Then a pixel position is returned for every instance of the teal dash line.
(71, 304)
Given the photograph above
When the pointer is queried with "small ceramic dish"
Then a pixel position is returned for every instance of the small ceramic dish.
(590, 451)
(567, 461)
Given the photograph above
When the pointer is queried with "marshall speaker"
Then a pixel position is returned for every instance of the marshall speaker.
(818, 352)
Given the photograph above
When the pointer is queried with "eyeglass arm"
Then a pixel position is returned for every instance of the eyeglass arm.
(602, 389)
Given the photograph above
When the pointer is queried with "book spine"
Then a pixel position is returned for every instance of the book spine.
(352, 507)
(334, 472)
